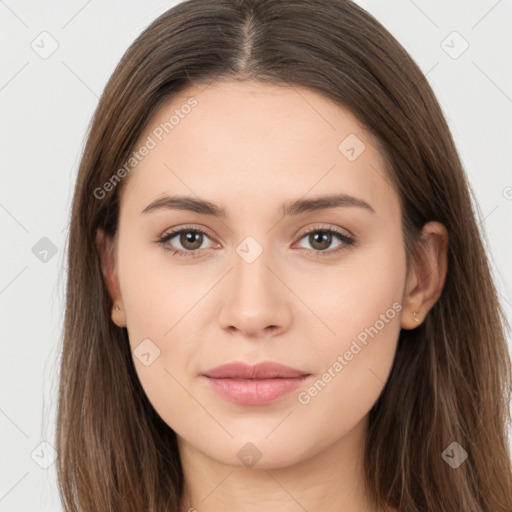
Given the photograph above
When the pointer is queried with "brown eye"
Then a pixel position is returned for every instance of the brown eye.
(184, 242)
(320, 240)
(191, 240)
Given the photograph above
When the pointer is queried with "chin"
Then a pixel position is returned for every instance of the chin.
(255, 453)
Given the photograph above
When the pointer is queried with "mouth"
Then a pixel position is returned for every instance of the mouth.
(254, 385)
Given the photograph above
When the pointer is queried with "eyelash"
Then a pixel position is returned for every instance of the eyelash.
(347, 241)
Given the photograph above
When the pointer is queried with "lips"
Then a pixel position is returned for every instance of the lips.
(265, 370)
(254, 385)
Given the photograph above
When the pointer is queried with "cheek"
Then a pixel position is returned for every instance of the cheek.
(365, 291)
(159, 300)
(352, 378)
(157, 292)
(363, 308)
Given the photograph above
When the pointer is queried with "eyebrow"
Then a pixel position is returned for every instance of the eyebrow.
(293, 208)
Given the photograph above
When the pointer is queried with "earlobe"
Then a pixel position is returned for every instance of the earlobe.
(106, 250)
(118, 316)
(427, 275)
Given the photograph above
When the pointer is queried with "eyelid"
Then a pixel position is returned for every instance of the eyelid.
(191, 227)
(326, 227)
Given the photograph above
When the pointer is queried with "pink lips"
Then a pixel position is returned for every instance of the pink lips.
(254, 385)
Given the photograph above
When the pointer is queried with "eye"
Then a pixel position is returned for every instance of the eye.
(321, 239)
(190, 239)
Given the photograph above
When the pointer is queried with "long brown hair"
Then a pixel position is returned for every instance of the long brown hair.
(451, 379)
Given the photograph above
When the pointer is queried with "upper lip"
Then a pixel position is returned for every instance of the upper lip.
(264, 370)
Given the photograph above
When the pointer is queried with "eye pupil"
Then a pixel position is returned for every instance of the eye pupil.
(320, 240)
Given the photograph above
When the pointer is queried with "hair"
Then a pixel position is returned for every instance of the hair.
(451, 377)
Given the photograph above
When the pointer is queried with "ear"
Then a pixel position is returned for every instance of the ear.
(106, 249)
(427, 275)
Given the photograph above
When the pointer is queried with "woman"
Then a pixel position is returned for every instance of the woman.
(278, 295)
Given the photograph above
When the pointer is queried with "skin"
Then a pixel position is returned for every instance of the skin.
(251, 148)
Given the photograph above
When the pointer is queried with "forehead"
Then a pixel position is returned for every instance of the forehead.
(256, 140)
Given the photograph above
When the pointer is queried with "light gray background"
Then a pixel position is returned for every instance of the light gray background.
(45, 108)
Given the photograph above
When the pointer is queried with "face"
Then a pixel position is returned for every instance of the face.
(317, 287)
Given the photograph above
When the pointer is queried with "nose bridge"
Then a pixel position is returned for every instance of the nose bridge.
(251, 268)
(256, 299)
(253, 284)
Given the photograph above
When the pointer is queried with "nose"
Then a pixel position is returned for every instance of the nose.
(256, 301)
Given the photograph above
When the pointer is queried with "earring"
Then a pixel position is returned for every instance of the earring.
(414, 314)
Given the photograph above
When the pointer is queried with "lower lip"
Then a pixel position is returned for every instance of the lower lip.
(254, 391)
